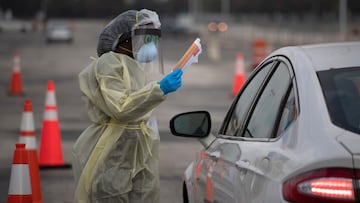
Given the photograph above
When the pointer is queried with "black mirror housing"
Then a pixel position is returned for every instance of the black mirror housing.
(196, 124)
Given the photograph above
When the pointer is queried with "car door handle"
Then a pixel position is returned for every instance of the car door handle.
(214, 155)
(242, 164)
(245, 164)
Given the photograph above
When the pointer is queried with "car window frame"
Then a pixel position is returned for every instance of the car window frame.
(276, 60)
(293, 87)
(289, 90)
(225, 123)
(284, 96)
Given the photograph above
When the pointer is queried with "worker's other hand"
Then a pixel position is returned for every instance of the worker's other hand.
(171, 82)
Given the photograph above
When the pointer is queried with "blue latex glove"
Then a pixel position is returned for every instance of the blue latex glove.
(171, 82)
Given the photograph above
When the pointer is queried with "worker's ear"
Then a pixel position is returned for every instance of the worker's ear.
(125, 48)
(122, 38)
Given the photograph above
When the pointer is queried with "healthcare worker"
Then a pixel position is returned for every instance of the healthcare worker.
(116, 158)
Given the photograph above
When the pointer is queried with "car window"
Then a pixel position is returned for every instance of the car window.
(289, 112)
(266, 111)
(245, 99)
(341, 88)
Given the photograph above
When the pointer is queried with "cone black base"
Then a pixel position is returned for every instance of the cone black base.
(49, 167)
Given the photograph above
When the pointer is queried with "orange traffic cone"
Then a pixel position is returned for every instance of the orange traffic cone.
(209, 188)
(20, 187)
(51, 155)
(259, 52)
(16, 82)
(240, 77)
(27, 136)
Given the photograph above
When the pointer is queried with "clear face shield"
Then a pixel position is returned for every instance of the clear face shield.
(146, 50)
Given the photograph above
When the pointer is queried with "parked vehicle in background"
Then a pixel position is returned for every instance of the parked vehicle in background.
(59, 32)
(292, 134)
(15, 25)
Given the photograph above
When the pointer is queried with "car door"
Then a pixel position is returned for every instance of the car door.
(215, 184)
(242, 152)
(273, 112)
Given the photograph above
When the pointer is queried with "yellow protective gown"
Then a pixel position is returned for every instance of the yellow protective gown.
(116, 158)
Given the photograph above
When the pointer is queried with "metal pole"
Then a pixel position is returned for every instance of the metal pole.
(225, 7)
(192, 4)
(44, 6)
(343, 19)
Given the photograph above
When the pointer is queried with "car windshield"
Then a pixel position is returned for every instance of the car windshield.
(341, 88)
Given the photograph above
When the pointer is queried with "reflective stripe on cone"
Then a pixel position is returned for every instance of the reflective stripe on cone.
(20, 187)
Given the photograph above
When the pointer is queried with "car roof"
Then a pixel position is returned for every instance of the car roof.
(325, 56)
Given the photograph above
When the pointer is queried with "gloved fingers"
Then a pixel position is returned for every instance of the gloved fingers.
(176, 80)
(178, 84)
(176, 77)
(178, 72)
(172, 81)
(174, 74)
(172, 85)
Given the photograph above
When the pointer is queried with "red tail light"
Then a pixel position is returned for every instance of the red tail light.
(322, 186)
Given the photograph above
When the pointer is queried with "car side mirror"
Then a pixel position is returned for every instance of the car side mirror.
(195, 124)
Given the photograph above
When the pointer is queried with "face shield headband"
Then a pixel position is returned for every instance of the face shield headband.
(147, 31)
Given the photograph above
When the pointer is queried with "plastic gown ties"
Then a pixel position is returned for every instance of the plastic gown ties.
(142, 127)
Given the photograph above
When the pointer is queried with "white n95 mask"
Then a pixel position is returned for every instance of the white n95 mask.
(147, 53)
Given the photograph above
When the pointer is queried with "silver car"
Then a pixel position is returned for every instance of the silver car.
(59, 32)
(292, 134)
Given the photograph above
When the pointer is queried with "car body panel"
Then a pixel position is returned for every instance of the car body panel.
(263, 164)
(189, 181)
(326, 56)
(351, 142)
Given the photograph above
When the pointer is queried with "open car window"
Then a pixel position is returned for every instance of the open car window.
(245, 100)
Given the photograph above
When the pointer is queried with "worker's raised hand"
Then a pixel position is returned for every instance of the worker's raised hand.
(172, 81)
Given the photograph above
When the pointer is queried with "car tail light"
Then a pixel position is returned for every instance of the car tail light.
(330, 185)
